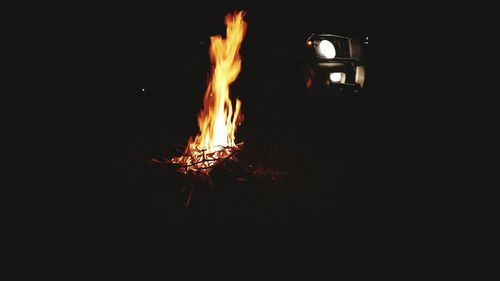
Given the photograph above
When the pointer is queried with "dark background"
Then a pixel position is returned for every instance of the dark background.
(85, 132)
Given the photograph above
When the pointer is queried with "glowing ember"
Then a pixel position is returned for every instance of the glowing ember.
(217, 120)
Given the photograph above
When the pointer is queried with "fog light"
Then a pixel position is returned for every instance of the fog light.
(337, 77)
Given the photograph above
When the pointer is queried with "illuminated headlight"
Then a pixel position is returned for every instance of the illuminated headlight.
(326, 49)
(337, 77)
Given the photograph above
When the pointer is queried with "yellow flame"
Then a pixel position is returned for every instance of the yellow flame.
(217, 120)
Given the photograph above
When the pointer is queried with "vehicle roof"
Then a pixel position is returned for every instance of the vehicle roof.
(327, 34)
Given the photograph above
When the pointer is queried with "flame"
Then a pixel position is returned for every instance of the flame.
(217, 120)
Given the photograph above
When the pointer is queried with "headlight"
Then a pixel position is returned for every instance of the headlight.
(326, 49)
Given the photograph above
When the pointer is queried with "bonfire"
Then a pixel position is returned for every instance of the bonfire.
(218, 119)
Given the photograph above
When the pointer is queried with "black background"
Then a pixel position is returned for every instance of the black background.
(84, 131)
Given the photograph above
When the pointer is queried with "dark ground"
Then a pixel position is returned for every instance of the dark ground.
(347, 191)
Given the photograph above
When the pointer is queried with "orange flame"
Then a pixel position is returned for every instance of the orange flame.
(217, 120)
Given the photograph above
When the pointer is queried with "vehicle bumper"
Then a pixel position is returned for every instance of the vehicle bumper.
(348, 78)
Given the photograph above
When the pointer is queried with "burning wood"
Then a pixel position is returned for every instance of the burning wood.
(217, 120)
(201, 160)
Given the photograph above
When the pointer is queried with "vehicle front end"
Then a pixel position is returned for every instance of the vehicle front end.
(334, 65)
